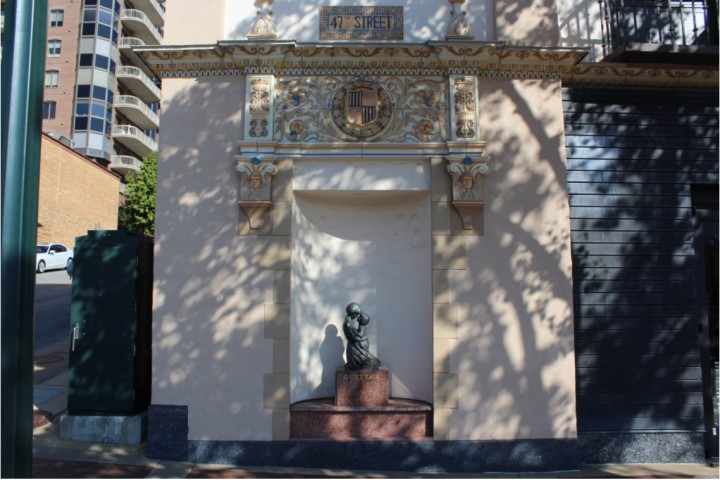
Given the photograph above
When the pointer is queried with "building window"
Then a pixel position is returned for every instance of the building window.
(54, 47)
(51, 79)
(56, 18)
(49, 110)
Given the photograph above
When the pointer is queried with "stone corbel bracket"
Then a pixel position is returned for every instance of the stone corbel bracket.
(468, 185)
(255, 174)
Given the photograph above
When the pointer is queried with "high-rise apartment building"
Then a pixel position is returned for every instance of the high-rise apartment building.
(97, 92)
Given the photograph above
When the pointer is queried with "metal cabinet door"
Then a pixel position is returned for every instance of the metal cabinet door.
(103, 324)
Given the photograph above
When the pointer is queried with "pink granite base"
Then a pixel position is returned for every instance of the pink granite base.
(362, 388)
(398, 420)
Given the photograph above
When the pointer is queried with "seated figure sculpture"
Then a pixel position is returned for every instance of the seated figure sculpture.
(358, 354)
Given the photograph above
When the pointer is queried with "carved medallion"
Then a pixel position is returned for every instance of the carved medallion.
(361, 109)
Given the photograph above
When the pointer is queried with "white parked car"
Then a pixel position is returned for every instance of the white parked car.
(52, 255)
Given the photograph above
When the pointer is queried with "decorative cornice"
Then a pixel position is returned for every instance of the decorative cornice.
(484, 59)
(621, 74)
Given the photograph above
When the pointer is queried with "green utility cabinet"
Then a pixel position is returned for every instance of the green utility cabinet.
(110, 324)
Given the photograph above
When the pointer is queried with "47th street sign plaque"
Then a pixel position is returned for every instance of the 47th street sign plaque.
(361, 23)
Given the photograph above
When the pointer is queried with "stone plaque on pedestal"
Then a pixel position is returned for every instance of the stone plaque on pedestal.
(362, 388)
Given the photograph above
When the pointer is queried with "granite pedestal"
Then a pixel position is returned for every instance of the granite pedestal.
(361, 410)
(362, 388)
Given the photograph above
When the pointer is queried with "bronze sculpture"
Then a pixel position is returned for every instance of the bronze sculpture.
(358, 354)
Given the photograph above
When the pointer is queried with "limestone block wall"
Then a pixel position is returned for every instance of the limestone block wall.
(274, 255)
(448, 254)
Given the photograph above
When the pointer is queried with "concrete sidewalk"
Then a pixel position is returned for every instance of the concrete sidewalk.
(55, 458)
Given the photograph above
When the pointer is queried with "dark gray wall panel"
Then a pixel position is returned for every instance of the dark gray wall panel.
(633, 155)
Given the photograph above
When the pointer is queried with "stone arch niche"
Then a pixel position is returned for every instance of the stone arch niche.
(361, 231)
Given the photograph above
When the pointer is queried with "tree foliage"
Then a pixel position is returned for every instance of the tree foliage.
(138, 214)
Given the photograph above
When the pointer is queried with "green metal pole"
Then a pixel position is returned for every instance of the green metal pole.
(23, 63)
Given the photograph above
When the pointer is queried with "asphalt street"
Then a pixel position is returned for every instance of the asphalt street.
(52, 308)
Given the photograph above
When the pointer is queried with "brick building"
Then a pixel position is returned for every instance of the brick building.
(75, 195)
(61, 66)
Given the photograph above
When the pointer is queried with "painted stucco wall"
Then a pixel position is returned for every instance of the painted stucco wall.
(186, 24)
(299, 19)
(209, 348)
(528, 22)
(513, 356)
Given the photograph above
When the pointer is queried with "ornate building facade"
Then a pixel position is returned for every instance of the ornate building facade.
(421, 159)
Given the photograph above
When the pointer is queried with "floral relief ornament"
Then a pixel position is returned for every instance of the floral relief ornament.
(259, 106)
(464, 107)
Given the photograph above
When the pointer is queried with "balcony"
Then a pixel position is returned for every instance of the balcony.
(138, 83)
(139, 24)
(125, 164)
(660, 31)
(154, 11)
(126, 45)
(137, 112)
(134, 139)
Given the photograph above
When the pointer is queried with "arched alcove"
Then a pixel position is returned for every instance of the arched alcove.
(370, 244)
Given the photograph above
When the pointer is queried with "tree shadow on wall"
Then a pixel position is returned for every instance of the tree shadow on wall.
(525, 288)
(632, 161)
(210, 291)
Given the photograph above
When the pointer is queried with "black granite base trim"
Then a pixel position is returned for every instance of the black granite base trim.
(676, 447)
(167, 432)
(541, 455)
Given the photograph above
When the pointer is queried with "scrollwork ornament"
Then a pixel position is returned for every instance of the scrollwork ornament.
(464, 98)
(259, 106)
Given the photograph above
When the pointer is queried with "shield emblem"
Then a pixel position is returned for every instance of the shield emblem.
(362, 106)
